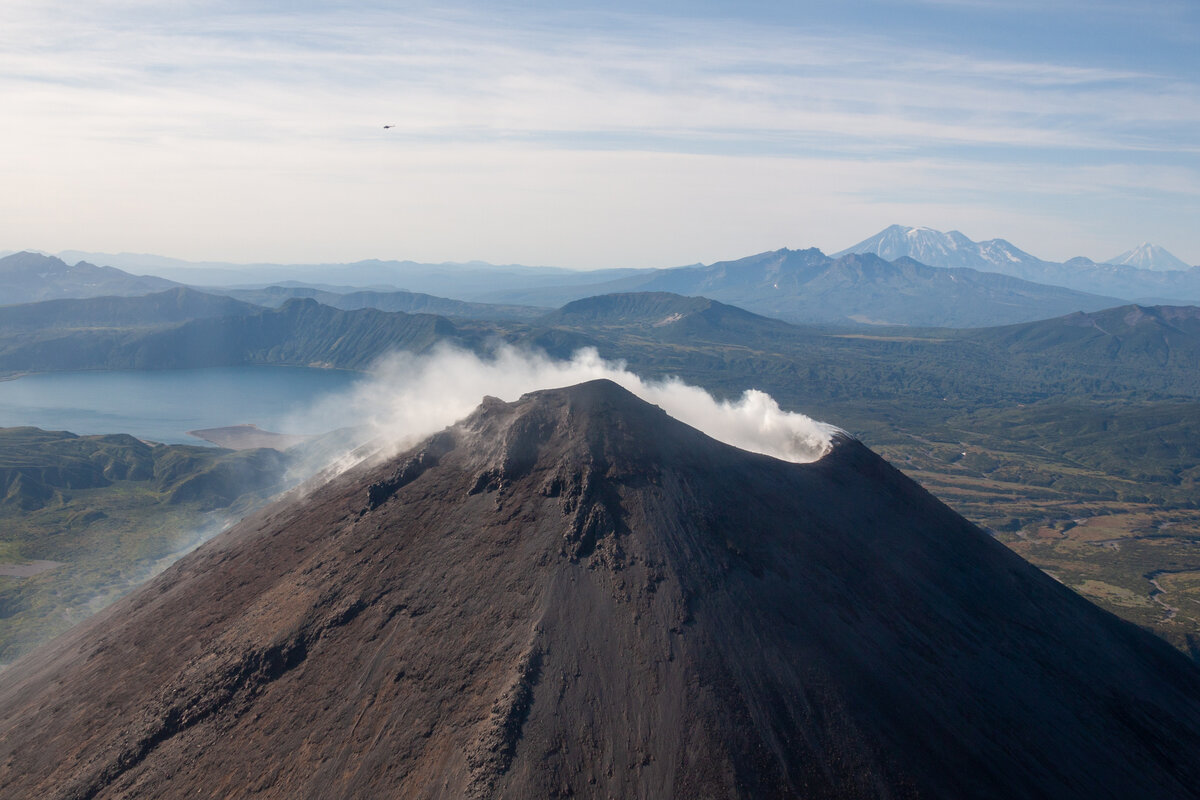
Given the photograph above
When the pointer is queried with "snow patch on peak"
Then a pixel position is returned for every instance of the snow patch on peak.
(939, 249)
(1148, 256)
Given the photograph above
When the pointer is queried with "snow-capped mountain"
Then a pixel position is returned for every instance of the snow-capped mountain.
(1158, 277)
(939, 249)
(1148, 256)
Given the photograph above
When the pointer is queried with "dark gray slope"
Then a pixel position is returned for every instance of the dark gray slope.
(575, 595)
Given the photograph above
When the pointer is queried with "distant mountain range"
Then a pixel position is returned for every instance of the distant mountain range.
(398, 300)
(29, 277)
(807, 286)
(802, 286)
(449, 279)
(901, 276)
(1145, 274)
(939, 249)
(953, 249)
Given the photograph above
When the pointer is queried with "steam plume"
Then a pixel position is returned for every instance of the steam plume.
(410, 397)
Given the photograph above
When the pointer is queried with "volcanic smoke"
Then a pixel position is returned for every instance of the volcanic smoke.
(410, 397)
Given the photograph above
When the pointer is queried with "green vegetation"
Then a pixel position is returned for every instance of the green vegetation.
(103, 513)
(1043, 433)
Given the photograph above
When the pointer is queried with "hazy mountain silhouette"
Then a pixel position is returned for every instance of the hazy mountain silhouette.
(939, 249)
(1149, 256)
(576, 595)
(408, 302)
(463, 280)
(28, 277)
(1147, 274)
(301, 332)
(176, 305)
(807, 286)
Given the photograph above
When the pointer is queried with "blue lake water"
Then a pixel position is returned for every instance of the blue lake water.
(163, 405)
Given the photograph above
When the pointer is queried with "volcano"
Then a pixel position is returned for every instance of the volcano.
(574, 595)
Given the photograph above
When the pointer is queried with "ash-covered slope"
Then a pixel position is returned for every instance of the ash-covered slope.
(575, 595)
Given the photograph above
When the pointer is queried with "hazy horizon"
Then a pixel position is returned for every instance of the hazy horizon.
(133, 259)
(585, 136)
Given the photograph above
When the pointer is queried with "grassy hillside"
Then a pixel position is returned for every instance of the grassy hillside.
(85, 518)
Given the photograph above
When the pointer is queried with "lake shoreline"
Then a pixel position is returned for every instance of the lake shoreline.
(166, 405)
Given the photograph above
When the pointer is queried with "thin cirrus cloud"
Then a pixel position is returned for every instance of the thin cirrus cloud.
(293, 101)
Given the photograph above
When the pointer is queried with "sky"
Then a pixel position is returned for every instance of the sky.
(585, 135)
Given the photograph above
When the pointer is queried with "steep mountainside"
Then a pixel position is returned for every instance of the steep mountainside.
(29, 277)
(575, 595)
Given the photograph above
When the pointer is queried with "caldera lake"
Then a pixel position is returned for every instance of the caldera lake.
(163, 405)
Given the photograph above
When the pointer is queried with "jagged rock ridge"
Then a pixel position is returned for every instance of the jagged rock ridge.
(575, 595)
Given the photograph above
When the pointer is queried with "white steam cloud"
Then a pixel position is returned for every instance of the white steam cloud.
(410, 397)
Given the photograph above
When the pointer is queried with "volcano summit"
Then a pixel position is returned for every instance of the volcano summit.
(576, 595)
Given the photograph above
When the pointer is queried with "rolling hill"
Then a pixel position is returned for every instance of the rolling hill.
(1132, 337)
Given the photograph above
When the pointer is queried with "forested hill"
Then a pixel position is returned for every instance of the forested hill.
(1133, 335)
